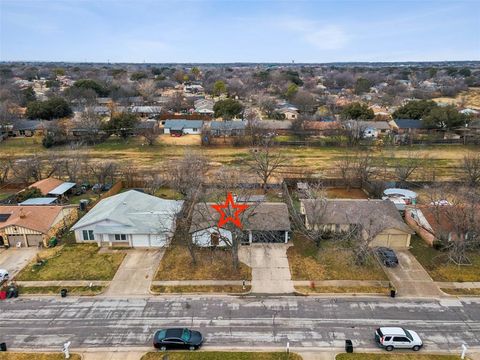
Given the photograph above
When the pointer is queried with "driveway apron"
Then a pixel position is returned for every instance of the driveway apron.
(15, 259)
(135, 273)
(411, 279)
(270, 270)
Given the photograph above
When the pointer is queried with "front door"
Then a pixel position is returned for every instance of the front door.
(2, 241)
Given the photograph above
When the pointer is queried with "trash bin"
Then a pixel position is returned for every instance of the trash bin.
(348, 346)
(3, 347)
(392, 293)
(52, 242)
(63, 292)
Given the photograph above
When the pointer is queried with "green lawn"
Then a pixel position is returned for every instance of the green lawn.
(437, 265)
(384, 356)
(460, 292)
(168, 193)
(194, 289)
(36, 356)
(217, 355)
(73, 262)
(330, 262)
(342, 290)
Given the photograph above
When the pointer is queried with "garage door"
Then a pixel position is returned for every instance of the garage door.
(34, 240)
(14, 239)
(140, 241)
(398, 241)
(158, 241)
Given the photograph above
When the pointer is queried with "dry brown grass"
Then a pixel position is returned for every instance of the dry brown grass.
(330, 262)
(185, 140)
(342, 290)
(212, 264)
(400, 356)
(459, 292)
(218, 355)
(469, 98)
(199, 289)
(344, 193)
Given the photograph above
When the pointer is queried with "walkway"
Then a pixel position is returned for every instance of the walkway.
(411, 279)
(270, 270)
(135, 273)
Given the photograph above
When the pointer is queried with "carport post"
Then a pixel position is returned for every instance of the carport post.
(66, 350)
(464, 351)
(288, 347)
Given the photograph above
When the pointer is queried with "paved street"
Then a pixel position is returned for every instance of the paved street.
(237, 322)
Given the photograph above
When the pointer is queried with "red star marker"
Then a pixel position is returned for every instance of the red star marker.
(229, 203)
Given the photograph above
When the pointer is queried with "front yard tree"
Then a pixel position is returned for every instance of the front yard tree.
(227, 109)
(266, 161)
(122, 124)
(357, 111)
(415, 109)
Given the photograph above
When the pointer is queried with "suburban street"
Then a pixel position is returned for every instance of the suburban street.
(236, 322)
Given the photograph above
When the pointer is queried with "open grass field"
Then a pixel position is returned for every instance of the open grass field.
(36, 356)
(300, 160)
(435, 262)
(330, 262)
(73, 262)
(212, 264)
(396, 357)
(469, 98)
(217, 355)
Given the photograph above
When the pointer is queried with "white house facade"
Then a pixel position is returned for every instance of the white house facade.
(132, 219)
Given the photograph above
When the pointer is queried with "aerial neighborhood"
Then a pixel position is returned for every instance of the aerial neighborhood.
(264, 205)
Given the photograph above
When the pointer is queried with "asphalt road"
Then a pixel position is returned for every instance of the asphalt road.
(236, 322)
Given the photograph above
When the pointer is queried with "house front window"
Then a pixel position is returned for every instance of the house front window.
(88, 235)
(120, 237)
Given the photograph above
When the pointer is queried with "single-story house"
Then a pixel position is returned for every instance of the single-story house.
(227, 128)
(374, 129)
(179, 127)
(146, 111)
(406, 125)
(131, 218)
(26, 128)
(32, 225)
(264, 222)
(378, 218)
(204, 106)
(288, 113)
(435, 222)
(276, 126)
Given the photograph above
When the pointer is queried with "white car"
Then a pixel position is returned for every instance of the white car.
(3, 275)
(391, 338)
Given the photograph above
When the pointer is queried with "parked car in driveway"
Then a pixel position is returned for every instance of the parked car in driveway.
(387, 256)
(177, 338)
(3, 275)
(391, 338)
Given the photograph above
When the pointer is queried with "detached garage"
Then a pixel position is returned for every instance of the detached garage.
(132, 219)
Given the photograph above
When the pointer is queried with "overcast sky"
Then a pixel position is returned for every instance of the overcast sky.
(239, 31)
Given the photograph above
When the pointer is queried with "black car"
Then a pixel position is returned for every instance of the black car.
(387, 256)
(178, 338)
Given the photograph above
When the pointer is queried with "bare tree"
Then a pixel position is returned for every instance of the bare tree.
(4, 170)
(471, 169)
(266, 162)
(103, 171)
(147, 89)
(149, 134)
(188, 174)
(405, 167)
(346, 167)
(91, 125)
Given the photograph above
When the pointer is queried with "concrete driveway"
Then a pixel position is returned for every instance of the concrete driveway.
(270, 270)
(410, 278)
(135, 273)
(15, 259)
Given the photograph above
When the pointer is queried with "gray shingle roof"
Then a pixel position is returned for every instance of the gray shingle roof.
(139, 213)
(409, 123)
(180, 124)
(382, 214)
(258, 217)
(227, 125)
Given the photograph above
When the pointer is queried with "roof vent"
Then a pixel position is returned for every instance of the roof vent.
(22, 214)
(124, 203)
